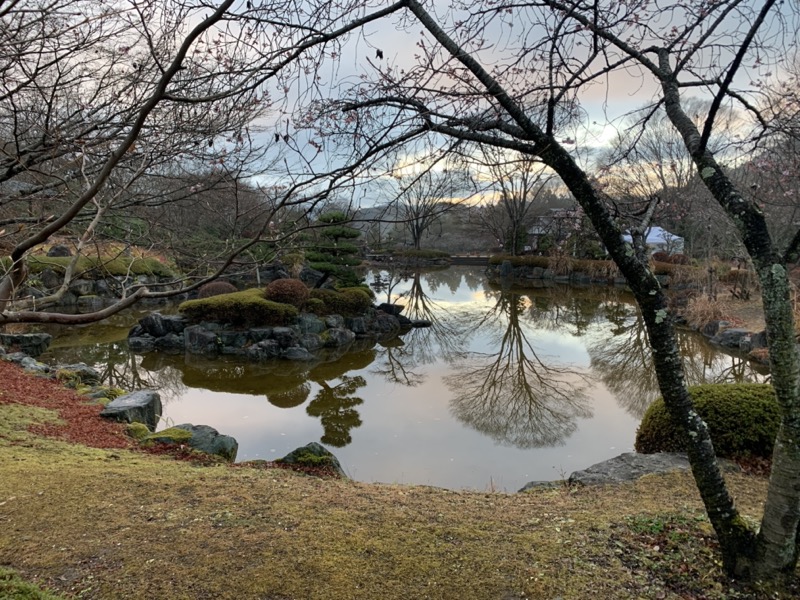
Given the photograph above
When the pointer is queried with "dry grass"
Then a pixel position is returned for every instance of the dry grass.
(91, 523)
(702, 310)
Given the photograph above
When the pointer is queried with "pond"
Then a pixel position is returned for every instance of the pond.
(505, 387)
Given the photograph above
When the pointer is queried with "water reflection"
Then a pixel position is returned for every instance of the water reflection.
(500, 372)
(515, 395)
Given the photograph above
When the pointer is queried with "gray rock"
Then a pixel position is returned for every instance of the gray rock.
(297, 353)
(209, 440)
(337, 337)
(159, 325)
(421, 323)
(172, 342)
(285, 336)
(391, 309)
(629, 467)
(91, 303)
(314, 455)
(236, 339)
(142, 343)
(384, 324)
(264, 350)
(357, 325)
(334, 321)
(82, 287)
(730, 338)
(32, 344)
(60, 251)
(143, 406)
(33, 365)
(199, 340)
(307, 323)
(259, 334)
(311, 342)
(50, 279)
(506, 269)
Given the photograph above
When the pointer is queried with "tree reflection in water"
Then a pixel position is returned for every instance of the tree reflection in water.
(514, 395)
(621, 357)
(399, 360)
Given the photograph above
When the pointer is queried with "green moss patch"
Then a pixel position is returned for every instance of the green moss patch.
(246, 308)
(12, 587)
(348, 302)
(93, 267)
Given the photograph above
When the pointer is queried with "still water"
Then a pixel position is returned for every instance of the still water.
(505, 387)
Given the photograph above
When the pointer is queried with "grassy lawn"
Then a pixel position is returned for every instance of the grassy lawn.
(84, 522)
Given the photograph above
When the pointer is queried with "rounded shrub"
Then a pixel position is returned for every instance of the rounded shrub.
(215, 288)
(679, 259)
(661, 256)
(287, 291)
(742, 419)
(348, 302)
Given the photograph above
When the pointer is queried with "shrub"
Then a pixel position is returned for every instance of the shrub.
(661, 256)
(216, 288)
(287, 291)
(247, 308)
(679, 259)
(742, 418)
(348, 302)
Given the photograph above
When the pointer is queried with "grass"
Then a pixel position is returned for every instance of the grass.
(90, 523)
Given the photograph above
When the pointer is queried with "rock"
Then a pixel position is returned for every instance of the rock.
(159, 325)
(285, 336)
(264, 350)
(334, 321)
(391, 309)
(82, 287)
(87, 304)
(237, 339)
(33, 365)
(32, 344)
(307, 323)
(629, 467)
(421, 323)
(311, 342)
(172, 342)
(297, 353)
(314, 455)
(199, 437)
(199, 340)
(59, 250)
(357, 325)
(143, 343)
(50, 279)
(337, 337)
(730, 338)
(82, 371)
(506, 269)
(385, 324)
(143, 406)
(259, 334)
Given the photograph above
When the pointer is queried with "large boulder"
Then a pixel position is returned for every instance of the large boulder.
(629, 467)
(80, 371)
(142, 406)
(159, 325)
(199, 437)
(316, 456)
(199, 340)
(32, 344)
(60, 251)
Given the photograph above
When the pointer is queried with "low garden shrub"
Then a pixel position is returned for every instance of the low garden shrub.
(247, 308)
(216, 288)
(348, 302)
(742, 418)
(287, 291)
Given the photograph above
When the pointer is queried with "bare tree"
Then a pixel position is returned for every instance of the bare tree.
(524, 92)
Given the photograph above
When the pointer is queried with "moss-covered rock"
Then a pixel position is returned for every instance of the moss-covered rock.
(743, 420)
(137, 431)
(247, 308)
(348, 302)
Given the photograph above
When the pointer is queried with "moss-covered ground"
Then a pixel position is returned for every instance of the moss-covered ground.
(84, 522)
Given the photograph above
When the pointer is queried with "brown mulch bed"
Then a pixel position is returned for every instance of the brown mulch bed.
(82, 423)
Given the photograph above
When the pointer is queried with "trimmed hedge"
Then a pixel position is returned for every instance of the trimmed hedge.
(247, 308)
(742, 418)
(348, 302)
(422, 253)
(287, 291)
(216, 288)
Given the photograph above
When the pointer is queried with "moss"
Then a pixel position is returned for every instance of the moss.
(172, 435)
(348, 302)
(248, 308)
(137, 431)
(14, 588)
(309, 459)
(743, 420)
(94, 267)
